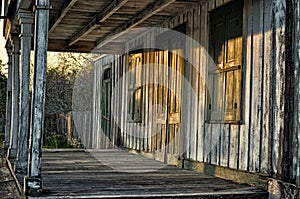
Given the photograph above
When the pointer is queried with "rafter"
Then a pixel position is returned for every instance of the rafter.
(151, 10)
(24, 4)
(98, 19)
(59, 17)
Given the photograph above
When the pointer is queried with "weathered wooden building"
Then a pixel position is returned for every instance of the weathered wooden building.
(206, 85)
(242, 115)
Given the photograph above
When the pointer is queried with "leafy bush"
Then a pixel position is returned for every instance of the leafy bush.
(3, 89)
(55, 141)
(1, 140)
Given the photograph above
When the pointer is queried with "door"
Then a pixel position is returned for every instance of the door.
(176, 64)
(169, 68)
(106, 109)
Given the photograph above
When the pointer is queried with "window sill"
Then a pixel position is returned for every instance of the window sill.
(224, 122)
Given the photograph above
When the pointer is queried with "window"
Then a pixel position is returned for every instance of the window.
(106, 94)
(135, 88)
(106, 100)
(225, 79)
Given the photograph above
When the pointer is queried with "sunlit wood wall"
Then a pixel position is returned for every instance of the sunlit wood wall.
(255, 143)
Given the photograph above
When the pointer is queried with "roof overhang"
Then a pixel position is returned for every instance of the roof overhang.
(86, 25)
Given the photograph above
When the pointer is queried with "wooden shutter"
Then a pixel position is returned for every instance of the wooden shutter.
(225, 79)
(216, 79)
(135, 88)
(233, 62)
(162, 59)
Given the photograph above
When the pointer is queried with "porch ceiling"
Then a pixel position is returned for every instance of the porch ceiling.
(81, 25)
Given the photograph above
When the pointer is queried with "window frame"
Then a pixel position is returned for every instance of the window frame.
(132, 92)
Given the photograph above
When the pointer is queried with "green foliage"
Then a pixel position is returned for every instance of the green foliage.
(3, 88)
(56, 141)
(1, 139)
(68, 76)
(61, 78)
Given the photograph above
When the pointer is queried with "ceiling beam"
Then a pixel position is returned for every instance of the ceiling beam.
(60, 45)
(24, 4)
(98, 19)
(60, 15)
(151, 10)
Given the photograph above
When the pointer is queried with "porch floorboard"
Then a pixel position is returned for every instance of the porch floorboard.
(119, 174)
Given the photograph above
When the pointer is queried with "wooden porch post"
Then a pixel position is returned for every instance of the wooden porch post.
(12, 152)
(33, 182)
(295, 46)
(26, 20)
(9, 96)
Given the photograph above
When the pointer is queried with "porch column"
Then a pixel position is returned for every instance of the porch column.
(12, 152)
(26, 20)
(296, 119)
(8, 96)
(34, 180)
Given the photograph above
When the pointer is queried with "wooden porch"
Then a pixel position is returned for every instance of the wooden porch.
(256, 137)
(82, 174)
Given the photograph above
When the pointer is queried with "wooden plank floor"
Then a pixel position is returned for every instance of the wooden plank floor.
(118, 174)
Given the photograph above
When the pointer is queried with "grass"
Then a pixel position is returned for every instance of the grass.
(2, 136)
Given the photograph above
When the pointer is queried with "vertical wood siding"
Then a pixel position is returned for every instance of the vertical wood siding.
(296, 135)
(254, 145)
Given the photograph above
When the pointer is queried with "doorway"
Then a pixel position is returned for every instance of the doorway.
(169, 60)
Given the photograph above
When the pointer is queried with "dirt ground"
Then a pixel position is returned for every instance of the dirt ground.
(8, 187)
